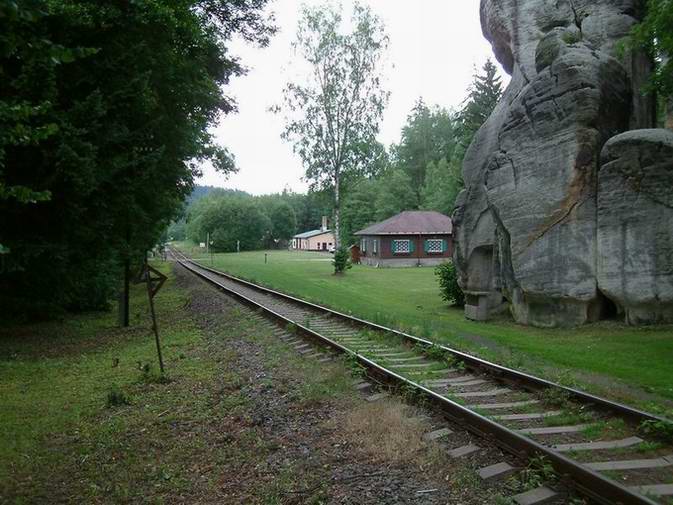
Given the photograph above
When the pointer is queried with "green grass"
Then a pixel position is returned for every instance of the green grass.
(55, 378)
(408, 299)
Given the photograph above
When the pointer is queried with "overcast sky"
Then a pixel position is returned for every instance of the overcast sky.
(434, 47)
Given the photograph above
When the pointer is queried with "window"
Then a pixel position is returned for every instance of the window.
(363, 245)
(402, 246)
(375, 244)
(434, 246)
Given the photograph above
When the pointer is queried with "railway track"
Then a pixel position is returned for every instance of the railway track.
(606, 451)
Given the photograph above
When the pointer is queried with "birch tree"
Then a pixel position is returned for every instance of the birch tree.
(332, 113)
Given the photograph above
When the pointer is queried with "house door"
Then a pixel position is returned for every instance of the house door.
(324, 246)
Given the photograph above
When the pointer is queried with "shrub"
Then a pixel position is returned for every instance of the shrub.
(342, 260)
(117, 398)
(448, 284)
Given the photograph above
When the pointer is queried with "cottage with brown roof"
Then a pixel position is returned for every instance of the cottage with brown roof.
(411, 238)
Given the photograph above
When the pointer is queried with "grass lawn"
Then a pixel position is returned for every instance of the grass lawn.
(55, 379)
(641, 359)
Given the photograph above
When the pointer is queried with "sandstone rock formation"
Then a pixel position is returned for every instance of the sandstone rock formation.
(526, 225)
(635, 224)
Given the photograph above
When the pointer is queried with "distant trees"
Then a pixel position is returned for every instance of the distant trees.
(655, 35)
(333, 114)
(105, 113)
(230, 216)
(428, 137)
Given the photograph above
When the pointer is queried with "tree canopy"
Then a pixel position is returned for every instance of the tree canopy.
(105, 112)
(333, 113)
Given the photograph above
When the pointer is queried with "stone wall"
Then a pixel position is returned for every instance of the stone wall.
(526, 225)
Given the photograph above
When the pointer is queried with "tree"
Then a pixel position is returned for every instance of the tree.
(358, 209)
(231, 221)
(395, 193)
(483, 95)
(655, 35)
(332, 116)
(283, 220)
(112, 135)
(427, 137)
(442, 185)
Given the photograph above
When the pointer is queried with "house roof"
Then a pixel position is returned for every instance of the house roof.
(411, 222)
(312, 233)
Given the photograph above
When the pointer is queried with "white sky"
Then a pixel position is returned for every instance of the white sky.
(434, 46)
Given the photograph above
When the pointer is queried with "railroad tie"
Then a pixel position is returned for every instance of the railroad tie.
(654, 489)
(526, 417)
(490, 392)
(446, 382)
(536, 496)
(631, 464)
(474, 382)
(391, 354)
(364, 387)
(404, 360)
(552, 430)
(464, 450)
(412, 365)
(377, 396)
(496, 471)
(596, 446)
(503, 405)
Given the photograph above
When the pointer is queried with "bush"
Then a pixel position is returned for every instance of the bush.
(342, 260)
(448, 284)
(117, 398)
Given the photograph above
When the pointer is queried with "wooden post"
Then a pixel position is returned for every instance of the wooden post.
(155, 329)
(124, 293)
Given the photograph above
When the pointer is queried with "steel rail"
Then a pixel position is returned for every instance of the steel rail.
(522, 379)
(588, 482)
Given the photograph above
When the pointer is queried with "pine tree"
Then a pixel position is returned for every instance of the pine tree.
(484, 94)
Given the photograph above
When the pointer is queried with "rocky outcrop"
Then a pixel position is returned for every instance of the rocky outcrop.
(525, 226)
(635, 225)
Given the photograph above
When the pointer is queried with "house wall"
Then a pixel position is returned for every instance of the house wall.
(385, 256)
(314, 243)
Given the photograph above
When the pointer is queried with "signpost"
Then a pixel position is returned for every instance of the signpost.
(153, 286)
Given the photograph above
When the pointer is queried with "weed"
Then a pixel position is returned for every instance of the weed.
(291, 328)
(433, 351)
(456, 363)
(149, 375)
(555, 396)
(538, 471)
(569, 416)
(616, 427)
(662, 430)
(117, 398)
(352, 363)
(649, 446)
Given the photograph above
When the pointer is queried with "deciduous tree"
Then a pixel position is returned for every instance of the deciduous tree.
(333, 113)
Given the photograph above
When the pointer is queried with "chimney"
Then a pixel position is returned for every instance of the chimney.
(324, 224)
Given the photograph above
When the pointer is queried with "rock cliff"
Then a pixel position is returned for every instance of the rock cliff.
(535, 223)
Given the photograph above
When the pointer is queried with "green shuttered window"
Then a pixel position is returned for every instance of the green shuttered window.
(403, 246)
(434, 246)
